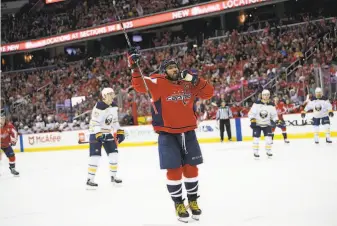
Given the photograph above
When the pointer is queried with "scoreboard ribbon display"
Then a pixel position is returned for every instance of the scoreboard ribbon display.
(160, 18)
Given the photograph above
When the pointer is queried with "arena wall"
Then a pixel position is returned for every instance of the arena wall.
(207, 132)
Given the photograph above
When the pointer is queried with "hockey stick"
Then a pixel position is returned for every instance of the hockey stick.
(96, 142)
(137, 63)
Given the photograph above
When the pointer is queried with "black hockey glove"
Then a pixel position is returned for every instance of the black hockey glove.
(189, 77)
(253, 123)
(133, 57)
(303, 114)
(120, 136)
(331, 114)
(101, 137)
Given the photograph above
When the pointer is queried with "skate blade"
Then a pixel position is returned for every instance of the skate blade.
(196, 217)
(183, 219)
(117, 185)
(91, 188)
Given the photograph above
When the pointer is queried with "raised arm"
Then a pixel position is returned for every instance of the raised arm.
(138, 82)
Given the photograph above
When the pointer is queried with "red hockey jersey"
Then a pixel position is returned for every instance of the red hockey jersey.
(174, 101)
(281, 110)
(8, 135)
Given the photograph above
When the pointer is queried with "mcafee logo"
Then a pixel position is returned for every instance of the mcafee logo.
(31, 140)
(43, 139)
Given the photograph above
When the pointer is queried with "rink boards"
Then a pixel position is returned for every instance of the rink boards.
(207, 132)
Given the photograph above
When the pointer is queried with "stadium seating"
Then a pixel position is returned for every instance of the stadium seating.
(71, 15)
(239, 66)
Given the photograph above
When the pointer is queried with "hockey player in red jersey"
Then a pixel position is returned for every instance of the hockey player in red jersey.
(281, 109)
(173, 94)
(9, 137)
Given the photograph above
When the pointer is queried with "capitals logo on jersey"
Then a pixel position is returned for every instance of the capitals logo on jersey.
(184, 97)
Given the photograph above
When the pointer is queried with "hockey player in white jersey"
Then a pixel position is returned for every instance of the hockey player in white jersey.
(263, 116)
(322, 109)
(104, 119)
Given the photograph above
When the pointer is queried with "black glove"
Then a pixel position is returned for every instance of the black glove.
(120, 136)
(133, 57)
(189, 77)
(303, 114)
(253, 123)
(331, 114)
(101, 137)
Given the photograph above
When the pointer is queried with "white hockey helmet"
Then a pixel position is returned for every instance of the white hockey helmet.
(265, 92)
(108, 95)
(105, 91)
(318, 90)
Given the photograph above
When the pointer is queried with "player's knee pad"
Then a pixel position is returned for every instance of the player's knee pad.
(316, 129)
(94, 160)
(113, 157)
(256, 140)
(327, 128)
(190, 171)
(284, 129)
(273, 129)
(174, 174)
(268, 140)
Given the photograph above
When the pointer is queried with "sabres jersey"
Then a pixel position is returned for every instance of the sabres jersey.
(264, 113)
(320, 107)
(104, 118)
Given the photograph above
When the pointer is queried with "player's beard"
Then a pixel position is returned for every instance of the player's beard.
(174, 76)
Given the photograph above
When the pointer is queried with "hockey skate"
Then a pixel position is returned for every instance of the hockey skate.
(193, 205)
(286, 141)
(181, 211)
(328, 141)
(269, 154)
(116, 181)
(256, 155)
(91, 185)
(14, 172)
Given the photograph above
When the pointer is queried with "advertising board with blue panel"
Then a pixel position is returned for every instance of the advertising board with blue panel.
(207, 132)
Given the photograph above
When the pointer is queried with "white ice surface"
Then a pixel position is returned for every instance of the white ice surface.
(297, 187)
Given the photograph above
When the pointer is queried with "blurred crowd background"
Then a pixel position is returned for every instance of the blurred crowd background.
(289, 54)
